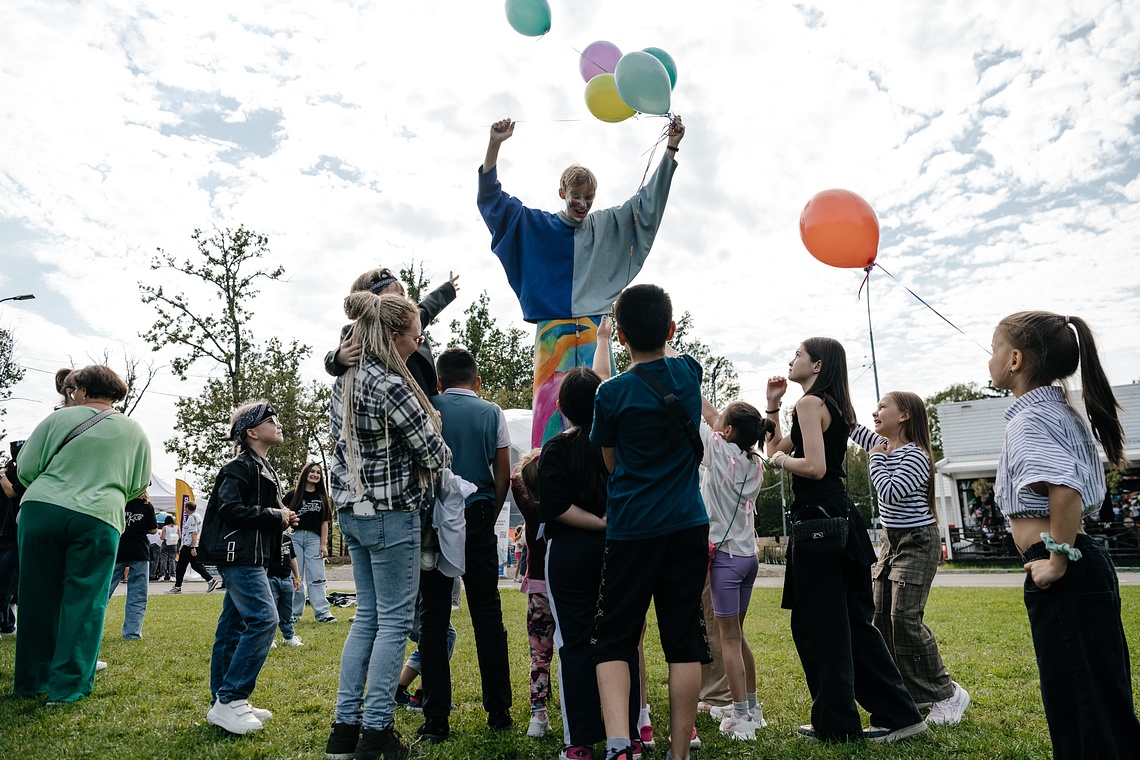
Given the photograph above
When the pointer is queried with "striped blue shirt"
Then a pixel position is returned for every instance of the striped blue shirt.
(1046, 442)
(901, 477)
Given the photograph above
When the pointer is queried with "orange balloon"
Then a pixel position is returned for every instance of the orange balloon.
(840, 229)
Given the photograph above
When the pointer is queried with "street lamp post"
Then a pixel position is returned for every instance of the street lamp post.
(24, 297)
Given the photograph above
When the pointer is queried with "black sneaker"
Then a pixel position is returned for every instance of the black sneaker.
(434, 731)
(342, 741)
(383, 745)
(499, 720)
(887, 735)
(416, 701)
(402, 696)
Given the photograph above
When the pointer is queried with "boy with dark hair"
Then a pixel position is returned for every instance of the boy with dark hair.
(656, 524)
(476, 432)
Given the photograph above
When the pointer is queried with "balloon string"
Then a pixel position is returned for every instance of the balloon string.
(923, 302)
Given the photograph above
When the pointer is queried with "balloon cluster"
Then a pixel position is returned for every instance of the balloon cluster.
(617, 86)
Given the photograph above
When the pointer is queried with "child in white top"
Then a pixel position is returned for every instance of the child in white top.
(731, 477)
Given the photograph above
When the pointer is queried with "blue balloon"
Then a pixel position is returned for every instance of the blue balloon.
(529, 17)
(643, 82)
(667, 61)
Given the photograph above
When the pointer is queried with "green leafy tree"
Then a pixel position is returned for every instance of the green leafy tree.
(720, 382)
(10, 370)
(505, 357)
(955, 392)
(227, 264)
(223, 263)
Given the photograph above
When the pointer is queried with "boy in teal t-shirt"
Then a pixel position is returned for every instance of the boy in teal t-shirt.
(656, 524)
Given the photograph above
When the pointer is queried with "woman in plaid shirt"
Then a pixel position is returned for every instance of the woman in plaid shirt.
(388, 451)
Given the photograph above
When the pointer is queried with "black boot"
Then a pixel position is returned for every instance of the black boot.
(383, 745)
(342, 741)
(434, 731)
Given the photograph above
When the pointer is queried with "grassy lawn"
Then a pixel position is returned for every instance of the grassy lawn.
(152, 701)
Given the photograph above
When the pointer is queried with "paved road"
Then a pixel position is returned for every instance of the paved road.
(772, 576)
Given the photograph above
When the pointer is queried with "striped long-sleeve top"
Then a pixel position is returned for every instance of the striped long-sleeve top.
(900, 477)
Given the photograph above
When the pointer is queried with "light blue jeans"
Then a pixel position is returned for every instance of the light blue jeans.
(306, 544)
(385, 551)
(282, 589)
(245, 632)
(138, 586)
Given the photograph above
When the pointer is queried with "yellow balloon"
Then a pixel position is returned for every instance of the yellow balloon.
(603, 100)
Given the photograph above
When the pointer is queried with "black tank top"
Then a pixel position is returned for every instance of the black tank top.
(807, 491)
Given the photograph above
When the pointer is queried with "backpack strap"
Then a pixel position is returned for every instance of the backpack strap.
(674, 409)
(80, 429)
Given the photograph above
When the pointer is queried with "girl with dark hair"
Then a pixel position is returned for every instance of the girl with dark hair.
(572, 501)
(310, 500)
(1050, 476)
(731, 476)
(841, 651)
(902, 469)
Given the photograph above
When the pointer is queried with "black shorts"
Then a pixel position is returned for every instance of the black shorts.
(671, 571)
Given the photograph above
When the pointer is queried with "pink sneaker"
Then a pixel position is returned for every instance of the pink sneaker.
(576, 753)
(695, 742)
(637, 749)
(646, 732)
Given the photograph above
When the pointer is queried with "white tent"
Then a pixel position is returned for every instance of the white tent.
(161, 494)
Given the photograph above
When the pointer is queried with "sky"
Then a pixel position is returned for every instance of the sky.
(999, 144)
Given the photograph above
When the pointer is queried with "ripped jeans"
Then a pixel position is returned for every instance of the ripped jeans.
(306, 545)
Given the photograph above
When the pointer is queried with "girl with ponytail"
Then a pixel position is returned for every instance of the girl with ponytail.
(1049, 476)
(388, 451)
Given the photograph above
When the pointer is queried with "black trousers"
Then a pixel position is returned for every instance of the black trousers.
(1082, 656)
(573, 576)
(186, 558)
(844, 657)
(481, 580)
(435, 618)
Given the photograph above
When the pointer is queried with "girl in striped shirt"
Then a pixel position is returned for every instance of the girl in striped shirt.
(1050, 475)
(903, 473)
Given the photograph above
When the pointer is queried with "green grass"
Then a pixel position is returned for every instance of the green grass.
(152, 701)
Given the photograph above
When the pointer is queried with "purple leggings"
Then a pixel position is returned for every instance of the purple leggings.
(730, 581)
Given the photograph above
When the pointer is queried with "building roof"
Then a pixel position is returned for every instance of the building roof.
(973, 432)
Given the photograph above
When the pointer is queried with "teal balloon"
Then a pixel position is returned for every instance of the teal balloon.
(529, 17)
(643, 83)
(666, 61)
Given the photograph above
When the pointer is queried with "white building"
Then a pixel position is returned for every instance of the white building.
(972, 436)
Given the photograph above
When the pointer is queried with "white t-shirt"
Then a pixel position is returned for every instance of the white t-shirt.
(191, 526)
(730, 483)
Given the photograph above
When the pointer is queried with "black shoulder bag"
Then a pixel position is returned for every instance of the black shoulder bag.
(675, 411)
(820, 535)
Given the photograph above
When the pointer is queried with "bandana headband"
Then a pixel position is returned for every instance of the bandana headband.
(251, 419)
(384, 281)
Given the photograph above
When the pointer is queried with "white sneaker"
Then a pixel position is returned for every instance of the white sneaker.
(743, 729)
(235, 717)
(757, 714)
(949, 711)
(293, 642)
(716, 712)
(273, 645)
(100, 665)
(538, 727)
(260, 713)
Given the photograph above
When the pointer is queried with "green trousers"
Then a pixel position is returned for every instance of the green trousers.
(66, 559)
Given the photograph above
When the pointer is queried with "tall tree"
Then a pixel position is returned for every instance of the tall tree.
(10, 370)
(227, 264)
(720, 382)
(505, 357)
(221, 337)
(956, 392)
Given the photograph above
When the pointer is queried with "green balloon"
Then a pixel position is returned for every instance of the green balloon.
(643, 83)
(529, 17)
(667, 62)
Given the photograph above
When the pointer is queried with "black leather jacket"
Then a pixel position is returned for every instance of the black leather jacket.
(242, 525)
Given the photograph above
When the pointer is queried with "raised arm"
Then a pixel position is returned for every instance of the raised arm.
(501, 131)
(602, 351)
(775, 392)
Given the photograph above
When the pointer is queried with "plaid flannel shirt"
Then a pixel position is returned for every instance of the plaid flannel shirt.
(384, 396)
